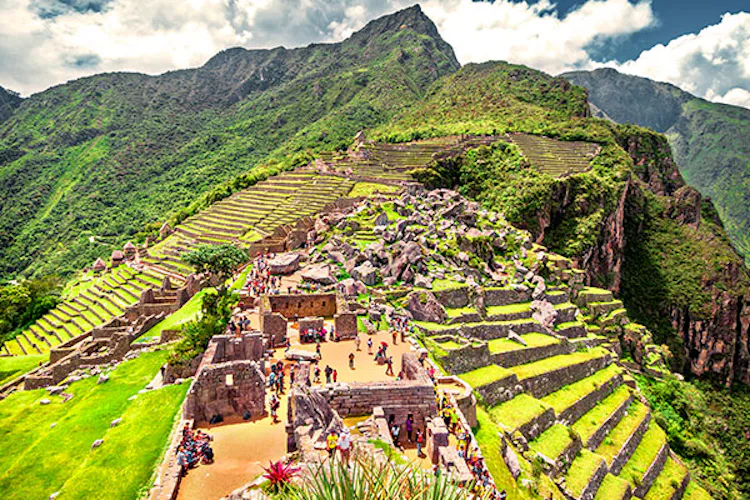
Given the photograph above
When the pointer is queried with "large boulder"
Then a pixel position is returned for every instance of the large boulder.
(352, 288)
(284, 263)
(423, 306)
(366, 273)
(322, 274)
(544, 312)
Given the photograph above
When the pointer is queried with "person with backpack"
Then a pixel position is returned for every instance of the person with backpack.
(420, 442)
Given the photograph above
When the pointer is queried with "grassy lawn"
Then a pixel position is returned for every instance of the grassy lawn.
(517, 411)
(565, 397)
(668, 481)
(460, 311)
(555, 362)
(581, 470)
(188, 312)
(552, 442)
(612, 488)
(485, 375)
(488, 437)
(446, 284)
(13, 366)
(40, 459)
(371, 188)
(531, 339)
(612, 444)
(434, 326)
(594, 418)
(450, 344)
(509, 309)
(644, 455)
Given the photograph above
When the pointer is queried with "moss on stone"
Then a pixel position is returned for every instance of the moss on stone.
(581, 470)
(520, 410)
(565, 397)
(485, 375)
(532, 340)
(552, 442)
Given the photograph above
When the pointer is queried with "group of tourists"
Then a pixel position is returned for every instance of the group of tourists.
(339, 441)
(238, 325)
(484, 486)
(413, 435)
(276, 377)
(318, 335)
(194, 448)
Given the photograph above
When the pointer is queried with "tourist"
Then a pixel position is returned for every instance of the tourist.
(316, 373)
(389, 362)
(288, 345)
(369, 347)
(291, 375)
(393, 335)
(357, 342)
(332, 441)
(272, 378)
(351, 360)
(345, 445)
(503, 495)
(454, 420)
(328, 372)
(274, 404)
(446, 414)
(182, 460)
(420, 442)
(317, 351)
(395, 431)
(409, 427)
(335, 376)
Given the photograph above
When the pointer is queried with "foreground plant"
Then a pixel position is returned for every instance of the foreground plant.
(280, 475)
(366, 479)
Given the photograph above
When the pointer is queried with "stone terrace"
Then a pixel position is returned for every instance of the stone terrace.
(559, 393)
(556, 158)
(88, 304)
(251, 218)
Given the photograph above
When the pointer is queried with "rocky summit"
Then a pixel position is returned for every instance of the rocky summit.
(361, 265)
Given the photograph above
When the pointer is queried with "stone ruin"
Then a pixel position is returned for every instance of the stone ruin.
(276, 311)
(231, 379)
(314, 412)
(111, 341)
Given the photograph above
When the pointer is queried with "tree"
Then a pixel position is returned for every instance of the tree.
(217, 261)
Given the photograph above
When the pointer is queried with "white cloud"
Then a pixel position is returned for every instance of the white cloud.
(535, 34)
(713, 63)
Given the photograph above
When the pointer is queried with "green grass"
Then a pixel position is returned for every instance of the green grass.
(509, 309)
(188, 312)
(532, 340)
(612, 444)
(485, 375)
(517, 411)
(460, 311)
(593, 419)
(555, 362)
(552, 442)
(695, 492)
(13, 366)
(446, 284)
(371, 188)
(612, 488)
(565, 397)
(644, 455)
(672, 474)
(488, 435)
(132, 450)
(39, 460)
(450, 344)
(581, 470)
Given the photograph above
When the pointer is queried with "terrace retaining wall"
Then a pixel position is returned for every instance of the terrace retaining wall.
(622, 457)
(531, 354)
(587, 402)
(653, 471)
(596, 439)
(545, 383)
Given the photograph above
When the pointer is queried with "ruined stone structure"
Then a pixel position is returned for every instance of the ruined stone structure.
(111, 341)
(309, 309)
(230, 380)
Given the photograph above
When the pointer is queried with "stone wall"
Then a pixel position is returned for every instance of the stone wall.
(311, 323)
(457, 297)
(500, 391)
(530, 354)
(545, 383)
(622, 457)
(229, 388)
(346, 325)
(505, 296)
(587, 402)
(589, 492)
(274, 326)
(596, 439)
(653, 471)
(538, 424)
(303, 305)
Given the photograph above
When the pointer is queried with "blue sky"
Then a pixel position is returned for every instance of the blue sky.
(702, 47)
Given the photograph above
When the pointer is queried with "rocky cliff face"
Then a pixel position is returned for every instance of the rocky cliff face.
(9, 101)
(697, 282)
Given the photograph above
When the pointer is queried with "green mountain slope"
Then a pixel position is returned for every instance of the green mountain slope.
(709, 140)
(9, 101)
(85, 165)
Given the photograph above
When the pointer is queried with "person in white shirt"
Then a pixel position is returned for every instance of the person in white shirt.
(345, 445)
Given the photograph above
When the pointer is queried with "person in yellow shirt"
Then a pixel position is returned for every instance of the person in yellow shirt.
(332, 441)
